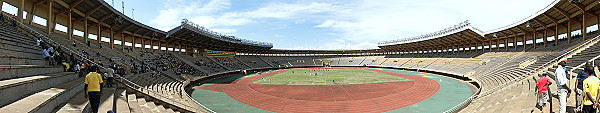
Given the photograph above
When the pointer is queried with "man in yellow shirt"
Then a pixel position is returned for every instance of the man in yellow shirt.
(93, 88)
(591, 87)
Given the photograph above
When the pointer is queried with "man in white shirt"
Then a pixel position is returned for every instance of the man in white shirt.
(562, 84)
(109, 76)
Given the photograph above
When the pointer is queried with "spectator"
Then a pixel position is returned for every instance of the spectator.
(47, 56)
(591, 87)
(93, 87)
(109, 77)
(562, 85)
(57, 55)
(66, 65)
(542, 89)
(51, 50)
(40, 41)
(14, 22)
(581, 75)
(76, 67)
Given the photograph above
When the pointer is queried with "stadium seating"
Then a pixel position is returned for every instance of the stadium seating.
(65, 88)
(28, 83)
(253, 61)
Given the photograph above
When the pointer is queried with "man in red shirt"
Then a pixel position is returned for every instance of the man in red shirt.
(542, 89)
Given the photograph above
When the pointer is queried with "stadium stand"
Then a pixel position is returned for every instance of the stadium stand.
(29, 84)
(155, 79)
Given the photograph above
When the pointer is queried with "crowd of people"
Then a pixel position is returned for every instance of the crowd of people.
(167, 62)
(229, 63)
(587, 87)
(213, 65)
(94, 77)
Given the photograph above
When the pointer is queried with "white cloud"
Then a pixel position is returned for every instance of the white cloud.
(357, 24)
(209, 15)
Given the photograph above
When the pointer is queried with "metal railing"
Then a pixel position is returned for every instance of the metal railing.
(520, 78)
(498, 66)
(47, 39)
(159, 96)
(582, 64)
(546, 65)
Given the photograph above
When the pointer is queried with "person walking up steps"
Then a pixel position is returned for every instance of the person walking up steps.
(110, 73)
(93, 87)
(542, 90)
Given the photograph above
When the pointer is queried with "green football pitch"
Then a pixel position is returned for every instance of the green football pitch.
(327, 77)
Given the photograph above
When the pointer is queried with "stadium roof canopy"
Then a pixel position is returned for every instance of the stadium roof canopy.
(191, 33)
(557, 16)
(283, 51)
(561, 16)
(100, 12)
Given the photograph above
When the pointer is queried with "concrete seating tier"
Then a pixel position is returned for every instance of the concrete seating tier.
(253, 61)
(275, 61)
(349, 61)
(230, 62)
(419, 63)
(15, 89)
(373, 60)
(46, 100)
(584, 56)
(302, 61)
(188, 60)
(396, 62)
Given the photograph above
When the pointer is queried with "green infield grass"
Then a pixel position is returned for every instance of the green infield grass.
(328, 77)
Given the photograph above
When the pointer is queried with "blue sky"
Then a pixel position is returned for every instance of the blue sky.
(329, 24)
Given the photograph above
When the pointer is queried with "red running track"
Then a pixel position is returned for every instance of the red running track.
(357, 98)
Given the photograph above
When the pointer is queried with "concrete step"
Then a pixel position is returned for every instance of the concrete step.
(19, 60)
(161, 108)
(144, 105)
(16, 52)
(169, 110)
(15, 89)
(46, 100)
(76, 104)
(153, 107)
(121, 101)
(107, 100)
(134, 106)
(18, 71)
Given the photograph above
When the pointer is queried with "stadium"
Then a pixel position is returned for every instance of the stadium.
(193, 69)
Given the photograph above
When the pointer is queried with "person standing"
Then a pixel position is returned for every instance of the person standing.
(93, 88)
(109, 77)
(542, 89)
(581, 75)
(591, 87)
(562, 86)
